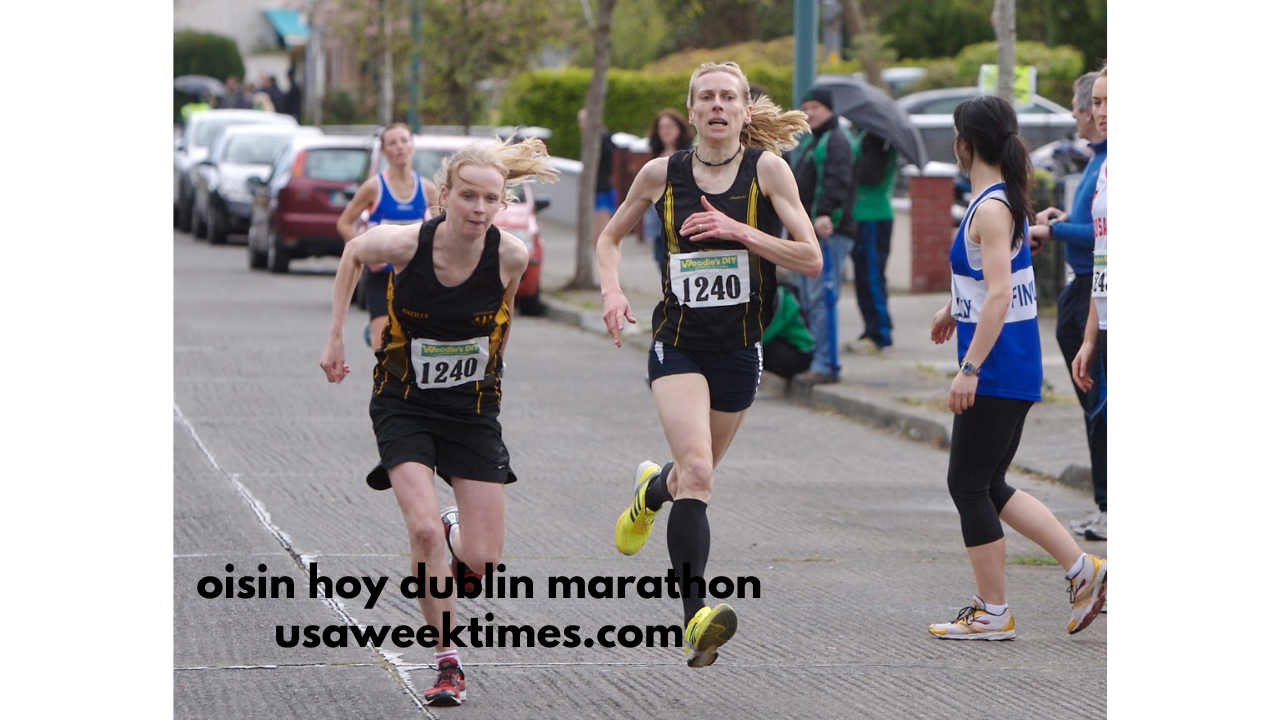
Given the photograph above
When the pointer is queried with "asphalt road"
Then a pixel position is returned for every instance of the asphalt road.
(849, 530)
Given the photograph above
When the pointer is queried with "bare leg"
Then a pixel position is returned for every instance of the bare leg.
(1031, 519)
(414, 487)
(698, 436)
(988, 571)
(482, 522)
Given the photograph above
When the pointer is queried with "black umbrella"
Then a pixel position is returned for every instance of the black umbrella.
(199, 85)
(870, 108)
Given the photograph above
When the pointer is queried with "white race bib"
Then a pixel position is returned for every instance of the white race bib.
(711, 279)
(1100, 276)
(441, 364)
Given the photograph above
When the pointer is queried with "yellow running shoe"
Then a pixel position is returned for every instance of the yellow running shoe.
(634, 524)
(710, 628)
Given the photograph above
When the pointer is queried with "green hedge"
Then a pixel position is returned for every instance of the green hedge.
(552, 98)
(200, 53)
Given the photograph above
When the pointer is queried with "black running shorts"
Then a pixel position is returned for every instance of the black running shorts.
(732, 377)
(471, 449)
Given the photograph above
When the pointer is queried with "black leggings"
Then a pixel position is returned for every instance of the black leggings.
(984, 439)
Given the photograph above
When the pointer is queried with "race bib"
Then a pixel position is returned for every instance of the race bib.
(1100, 276)
(710, 279)
(441, 364)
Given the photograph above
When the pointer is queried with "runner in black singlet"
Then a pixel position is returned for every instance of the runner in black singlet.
(722, 206)
(437, 383)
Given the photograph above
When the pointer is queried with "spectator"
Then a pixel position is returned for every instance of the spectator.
(235, 97)
(1075, 231)
(823, 165)
(293, 97)
(1091, 360)
(606, 194)
(788, 344)
(271, 88)
(669, 133)
(875, 171)
(195, 104)
(260, 99)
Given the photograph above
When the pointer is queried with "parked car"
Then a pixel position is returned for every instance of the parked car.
(223, 197)
(296, 208)
(519, 217)
(1042, 121)
(193, 146)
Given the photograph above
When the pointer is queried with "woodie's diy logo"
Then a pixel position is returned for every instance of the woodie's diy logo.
(694, 264)
(448, 350)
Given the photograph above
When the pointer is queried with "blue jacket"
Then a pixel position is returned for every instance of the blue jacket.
(1077, 230)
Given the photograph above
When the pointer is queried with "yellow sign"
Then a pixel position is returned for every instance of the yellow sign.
(1024, 83)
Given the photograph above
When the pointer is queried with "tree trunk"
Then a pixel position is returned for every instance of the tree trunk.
(388, 68)
(584, 261)
(1004, 21)
(866, 47)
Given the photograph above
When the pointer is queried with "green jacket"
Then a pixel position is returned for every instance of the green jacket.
(788, 324)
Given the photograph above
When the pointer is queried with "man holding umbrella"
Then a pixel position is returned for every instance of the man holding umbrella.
(884, 130)
(823, 165)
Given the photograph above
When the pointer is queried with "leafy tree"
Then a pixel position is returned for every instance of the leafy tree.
(716, 23)
(937, 28)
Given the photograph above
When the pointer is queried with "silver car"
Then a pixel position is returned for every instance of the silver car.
(193, 146)
(1040, 122)
(223, 199)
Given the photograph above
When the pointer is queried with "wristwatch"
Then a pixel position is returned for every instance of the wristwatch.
(969, 368)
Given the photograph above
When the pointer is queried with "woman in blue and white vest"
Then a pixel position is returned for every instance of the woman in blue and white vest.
(992, 313)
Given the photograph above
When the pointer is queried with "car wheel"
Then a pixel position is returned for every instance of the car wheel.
(532, 305)
(199, 224)
(277, 254)
(184, 213)
(257, 258)
(217, 228)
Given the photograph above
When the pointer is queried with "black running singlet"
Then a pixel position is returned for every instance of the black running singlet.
(444, 349)
(712, 291)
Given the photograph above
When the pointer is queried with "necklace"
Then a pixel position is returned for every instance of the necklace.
(726, 161)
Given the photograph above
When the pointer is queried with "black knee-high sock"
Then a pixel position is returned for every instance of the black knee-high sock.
(689, 542)
(657, 494)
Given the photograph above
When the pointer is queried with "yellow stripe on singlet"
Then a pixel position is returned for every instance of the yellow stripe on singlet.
(753, 209)
(673, 246)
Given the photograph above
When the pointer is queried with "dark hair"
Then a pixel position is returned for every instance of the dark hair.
(382, 136)
(989, 125)
(682, 142)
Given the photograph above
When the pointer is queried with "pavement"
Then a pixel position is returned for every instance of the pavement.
(903, 390)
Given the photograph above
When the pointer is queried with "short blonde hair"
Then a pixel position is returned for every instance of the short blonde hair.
(515, 160)
(771, 127)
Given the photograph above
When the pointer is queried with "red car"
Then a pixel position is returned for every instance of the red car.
(519, 217)
(295, 210)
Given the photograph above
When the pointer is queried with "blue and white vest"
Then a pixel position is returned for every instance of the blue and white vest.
(1013, 368)
(387, 208)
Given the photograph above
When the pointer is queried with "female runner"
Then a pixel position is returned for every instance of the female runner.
(993, 315)
(722, 205)
(437, 382)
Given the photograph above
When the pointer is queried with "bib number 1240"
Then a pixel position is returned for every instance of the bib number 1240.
(440, 364)
(710, 279)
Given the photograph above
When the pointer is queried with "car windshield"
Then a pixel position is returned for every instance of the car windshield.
(209, 129)
(427, 162)
(254, 149)
(339, 164)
